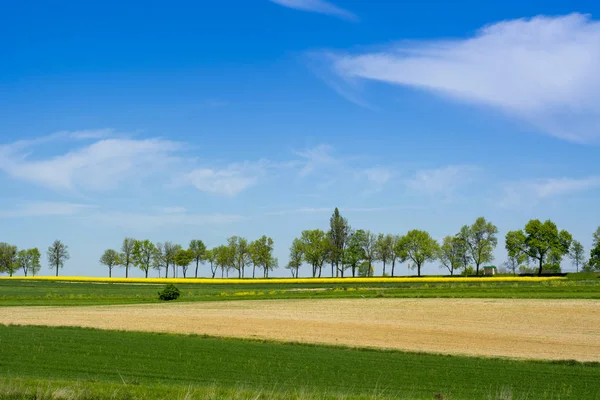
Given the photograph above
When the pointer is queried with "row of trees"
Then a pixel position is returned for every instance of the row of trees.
(539, 243)
(237, 255)
(28, 260)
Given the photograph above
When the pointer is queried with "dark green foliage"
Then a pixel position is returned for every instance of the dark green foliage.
(170, 292)
(141, 359)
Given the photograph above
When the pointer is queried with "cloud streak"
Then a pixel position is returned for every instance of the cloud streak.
(318, 6)
(445, 180)
(541, 70)
(532, 192)
(45, 208)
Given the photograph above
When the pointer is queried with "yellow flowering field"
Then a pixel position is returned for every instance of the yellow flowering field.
(285, 280)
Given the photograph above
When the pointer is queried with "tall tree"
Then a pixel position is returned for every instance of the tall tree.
(263, 249)
(538, 241)
(596, 238)
(126, 254)
(384, 249)
(224, 258)
(296, 257)
(169, 251)
(367, 240)
(516, 258)
(254, 256)
(417, 246)
(481, 241)
(395, 256)
(58, 253)
(354, 254)
(339, 229)
(452, 253)
(577, 254)
(110, 258)
(314, 244)
(143, 253)
(8, 258)
(158, 259)
(183, 259)
(210, 257)
(199, 249)
(241, 255)
(29, 261)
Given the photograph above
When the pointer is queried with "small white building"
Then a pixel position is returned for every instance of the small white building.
(489, 270)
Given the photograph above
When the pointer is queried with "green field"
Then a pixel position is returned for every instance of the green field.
(76, 293)
(183, 364)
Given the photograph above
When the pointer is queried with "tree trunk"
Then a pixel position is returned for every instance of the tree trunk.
(197, 268)
(418, 269)
(332, 269)
(541, 266)
(253, 270)
(320, 269)
(383, 268)
(451, 271)
(393, 265)
(477, 269)
(167, 271)
(146, 274)
(56, 269)
(25, 272)
(354, 271)
(109, 272)
(127, 271)
(184, 271)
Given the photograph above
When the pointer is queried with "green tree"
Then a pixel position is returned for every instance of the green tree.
(183, 259)
(481, 241)
(158, 259)
(593, 263)
(367, 240)
(29, 261)
(577, 254)
(57, 254)
(296, 257)
(199, 249)
(169, 251)
(339, 230)
(354, 254)
(8, 258)
(210, 257)
(395, 256)
(417, 246)
(314, 244)
(264, 249)
(143, 254)
(384, 249)
(452, 253)
(110, 258)
(224, 258)
(596, 238)
(538, 241)
(241, 254)
(127, 254)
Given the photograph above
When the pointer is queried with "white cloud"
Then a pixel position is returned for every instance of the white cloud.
(318, 6)
(377, 175)
(44, 208)
(444, 180)
(316, 157)
(542, 70)
(229, 181)
(516, 193)
(144, 222)
(101, 165)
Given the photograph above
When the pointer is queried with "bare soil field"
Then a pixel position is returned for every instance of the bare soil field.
(540, 329)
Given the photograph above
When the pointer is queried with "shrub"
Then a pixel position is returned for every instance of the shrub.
(170, 292)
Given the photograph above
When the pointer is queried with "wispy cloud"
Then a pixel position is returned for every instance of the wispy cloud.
(44, 208)
(101, 165)
(228, 181)
(542, 70)
(445, 180)
(377, 175)
(316, 157)
(318, 6)
(145, 222)
(532, 192)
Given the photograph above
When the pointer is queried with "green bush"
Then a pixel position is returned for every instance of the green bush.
(170, 292)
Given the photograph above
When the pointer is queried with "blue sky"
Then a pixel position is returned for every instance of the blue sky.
(202, 120)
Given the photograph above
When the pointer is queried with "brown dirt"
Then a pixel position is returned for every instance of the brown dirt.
(542, 329)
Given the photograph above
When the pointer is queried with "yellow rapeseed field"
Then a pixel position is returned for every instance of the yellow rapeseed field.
(285, 280)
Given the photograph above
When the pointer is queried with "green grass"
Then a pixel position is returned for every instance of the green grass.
(177, 362)
(71, 293)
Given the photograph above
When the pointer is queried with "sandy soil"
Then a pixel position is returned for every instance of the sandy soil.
(542, 329)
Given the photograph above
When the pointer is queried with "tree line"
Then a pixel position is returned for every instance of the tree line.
(537, 248)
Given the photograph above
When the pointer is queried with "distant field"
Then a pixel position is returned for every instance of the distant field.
(38, 292)
(177, 364)
(540, 329)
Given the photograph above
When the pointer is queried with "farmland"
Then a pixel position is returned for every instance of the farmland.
(411, 339)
